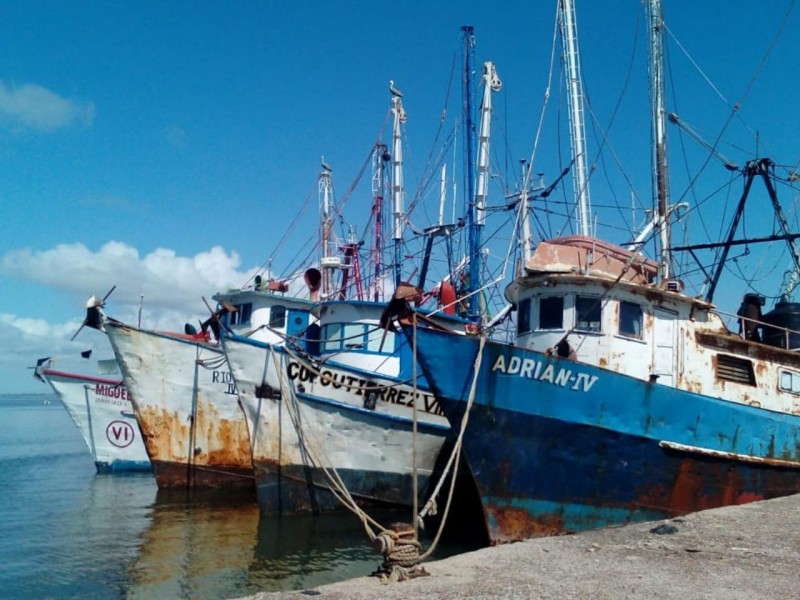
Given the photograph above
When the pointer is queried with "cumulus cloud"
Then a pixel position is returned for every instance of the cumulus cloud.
(35, 107)
(166, 280)
(170, 288)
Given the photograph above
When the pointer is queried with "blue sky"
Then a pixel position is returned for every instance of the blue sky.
(165, 147)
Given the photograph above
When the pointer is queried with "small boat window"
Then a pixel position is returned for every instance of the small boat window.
(332, 337)
(524, 316)
(588, 312)
(277, 317)
(630, 319)
(354, 336)
(551, 313)
(733, 368)
(790, 381)
(242, 314)
(380, 340)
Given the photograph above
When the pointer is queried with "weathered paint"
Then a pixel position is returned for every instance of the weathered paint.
(186, 404)
(559, 458)
(303, 416)
(102, 412)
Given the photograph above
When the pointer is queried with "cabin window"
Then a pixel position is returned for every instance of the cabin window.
(631, 318)
(588, 311)
(354, 336)
(242, 314)
(277, 317)
(551, 313)
(332, 337)
(733, 368)
(380, 340)
(524, 316)
(790, 382)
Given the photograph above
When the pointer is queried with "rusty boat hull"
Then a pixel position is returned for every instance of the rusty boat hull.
(186, 404)
(557, 446)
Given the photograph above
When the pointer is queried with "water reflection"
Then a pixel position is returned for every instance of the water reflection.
(197, 546)
(203, 546)
(302, 551)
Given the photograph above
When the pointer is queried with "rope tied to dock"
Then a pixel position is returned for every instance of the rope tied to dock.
(401, 554)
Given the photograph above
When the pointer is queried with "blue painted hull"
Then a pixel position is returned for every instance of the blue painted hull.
(124, 466)
(557, 446)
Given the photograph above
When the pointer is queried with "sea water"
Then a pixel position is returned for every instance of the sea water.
(67, 532)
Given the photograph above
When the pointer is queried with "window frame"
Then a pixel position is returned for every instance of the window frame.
(640, 321)
(551, 312)
(524, 320)
(596, 305)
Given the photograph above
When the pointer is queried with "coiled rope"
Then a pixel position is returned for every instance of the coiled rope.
(399, 546)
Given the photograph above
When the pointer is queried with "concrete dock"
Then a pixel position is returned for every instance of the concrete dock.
(749, 552)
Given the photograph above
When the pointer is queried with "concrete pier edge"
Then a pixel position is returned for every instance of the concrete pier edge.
(747, 551)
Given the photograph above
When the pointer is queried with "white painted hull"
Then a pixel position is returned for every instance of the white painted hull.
(102, 412)
(361, 426)
(187, 407)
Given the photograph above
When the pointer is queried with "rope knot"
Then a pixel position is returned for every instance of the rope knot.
(401, 550)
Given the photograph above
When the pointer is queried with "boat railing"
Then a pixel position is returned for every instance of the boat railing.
(763, 326)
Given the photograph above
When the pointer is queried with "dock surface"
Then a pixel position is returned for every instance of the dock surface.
(748, 551)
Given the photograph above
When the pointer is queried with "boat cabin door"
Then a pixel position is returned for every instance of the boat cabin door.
(297, 323)
(664, 346)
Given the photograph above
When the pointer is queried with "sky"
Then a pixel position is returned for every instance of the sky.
(172, 149)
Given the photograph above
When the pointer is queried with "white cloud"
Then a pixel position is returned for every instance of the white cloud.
(36, 107)
(172, 286)
(167, 281)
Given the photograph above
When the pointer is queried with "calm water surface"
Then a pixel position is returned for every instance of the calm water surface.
(66, 532)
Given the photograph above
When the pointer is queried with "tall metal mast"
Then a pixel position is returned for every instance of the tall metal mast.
(569, 38)
(328, 258)
(397, 180)
(473, 282)
(380, 156)
(659, 133)
(492, 83)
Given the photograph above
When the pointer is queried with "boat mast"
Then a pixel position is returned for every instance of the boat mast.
(380, 156)
(569, 38)
(473, 281)
(659, 133)
(397, 179)
(328, 259)
(491, 83)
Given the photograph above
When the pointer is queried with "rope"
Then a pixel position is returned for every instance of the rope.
(400, 550)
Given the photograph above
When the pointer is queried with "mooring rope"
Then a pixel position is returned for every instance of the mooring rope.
(401, 549)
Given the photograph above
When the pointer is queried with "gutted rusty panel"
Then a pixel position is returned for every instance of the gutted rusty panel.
(217, 446)
(172, 475)
(736, 345)
(511, 524)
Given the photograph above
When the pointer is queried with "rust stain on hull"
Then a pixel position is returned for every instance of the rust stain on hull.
(516, 524)
(209, 452)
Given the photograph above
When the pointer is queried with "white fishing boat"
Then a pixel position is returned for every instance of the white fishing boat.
(184, 396)
(346, 415)
(102, 411)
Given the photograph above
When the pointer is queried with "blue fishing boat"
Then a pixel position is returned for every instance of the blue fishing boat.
(624, 398)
